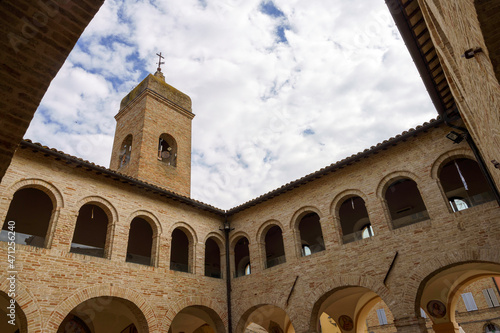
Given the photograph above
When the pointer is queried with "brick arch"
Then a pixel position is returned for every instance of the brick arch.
(427, 268)
(264, 227)
(48, 188)
(234, 238)
(148, 324)
(28, 305)
(191, 233)
(393, 176)
(149, 217)
(156, 227)
(312, 302)
(247, 305)
(112, 214)
(219, 239)
(215, 305)
(449, 156)
(339, 199)
(108, 207)
(301, 212)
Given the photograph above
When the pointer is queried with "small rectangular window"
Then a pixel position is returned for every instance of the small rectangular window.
(470, 304)
(382, 319)
(491, 298)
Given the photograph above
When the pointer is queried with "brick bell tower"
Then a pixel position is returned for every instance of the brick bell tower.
(153, 135)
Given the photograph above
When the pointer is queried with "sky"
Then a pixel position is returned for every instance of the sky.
(279, 88)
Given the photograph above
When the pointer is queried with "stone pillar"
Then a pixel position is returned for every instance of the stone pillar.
(410, 325)
(450, 327)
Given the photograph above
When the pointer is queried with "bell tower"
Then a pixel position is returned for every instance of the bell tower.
(153, 135)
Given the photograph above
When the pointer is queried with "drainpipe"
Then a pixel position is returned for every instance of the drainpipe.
(227, 229)
(482, 165)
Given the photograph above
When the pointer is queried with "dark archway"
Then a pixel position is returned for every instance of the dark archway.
(89, 237)
(180, 252)
(30, 211)
(311, 236)
(242, 263)
(140, 242)
(105, 314)
(354, 220)
(464, 184)
(212, 258)
(274, 247)
(405, 203)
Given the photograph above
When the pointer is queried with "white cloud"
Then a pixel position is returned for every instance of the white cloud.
(343, 75)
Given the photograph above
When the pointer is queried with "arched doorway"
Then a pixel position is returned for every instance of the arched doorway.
(197, 319)
(351, 309)
(462, 296)
(13, 318)
(105, 314)
(265, 318)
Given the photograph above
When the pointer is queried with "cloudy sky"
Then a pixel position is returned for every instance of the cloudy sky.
(280, 88)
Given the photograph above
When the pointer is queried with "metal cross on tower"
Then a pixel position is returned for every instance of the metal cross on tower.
(159, 61)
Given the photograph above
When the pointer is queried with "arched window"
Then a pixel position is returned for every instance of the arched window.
(167, 150)
(29, 217)
(354, 220)
(405, 203)
(91, 230)
(180, 252)
(212, 259)
(310, 234)
(275, 250)
(125, 151)
(491, 328)
(140, 242)
(464, 184)
(248, 269)
(241, 257)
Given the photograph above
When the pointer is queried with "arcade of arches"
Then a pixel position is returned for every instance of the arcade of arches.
(400, 238)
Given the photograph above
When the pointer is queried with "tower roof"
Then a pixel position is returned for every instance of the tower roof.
(157, 84)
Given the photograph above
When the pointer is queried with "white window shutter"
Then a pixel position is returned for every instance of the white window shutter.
(382, 319)
(470, 304)
(491, 297)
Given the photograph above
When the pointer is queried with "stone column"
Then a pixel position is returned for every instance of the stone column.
(410, 325)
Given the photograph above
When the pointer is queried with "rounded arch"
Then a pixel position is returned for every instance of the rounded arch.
(107, 206)
(190, 232)
(391, 178)
(263, 312)
(150, 218)
(215, 308)
(341, 197)
(219, 239)
(27, 303)
(428, 268)
(300, 213)
(264, 227)
(148, 322)
(236, 237)
(167, 149)
(438, 164)
(314, 302)
(51, 190)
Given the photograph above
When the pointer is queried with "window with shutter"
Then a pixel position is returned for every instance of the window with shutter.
(470, 304)
(382, 319)
(491, 298)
